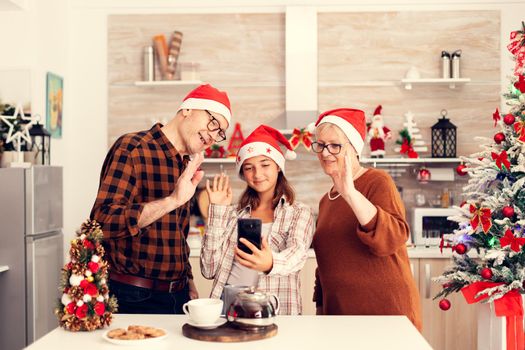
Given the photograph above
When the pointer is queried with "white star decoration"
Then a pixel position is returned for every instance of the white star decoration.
(21, 134)
(17, 137)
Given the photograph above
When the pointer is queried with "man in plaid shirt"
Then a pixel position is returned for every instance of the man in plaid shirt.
(142, 203)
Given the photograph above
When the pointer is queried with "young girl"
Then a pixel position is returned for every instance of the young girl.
(287, 225)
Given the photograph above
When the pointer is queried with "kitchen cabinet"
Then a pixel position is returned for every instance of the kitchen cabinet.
(203, 285)
(452, 329)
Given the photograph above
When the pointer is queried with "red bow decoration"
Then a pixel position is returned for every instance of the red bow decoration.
(481, 216)
(408, 149)
(510, 306)
(514, 242)
(520, 84)
(501, 159)
(517, 48)
(301, 136)
(209, 151)
(496, 117)
(519, 127)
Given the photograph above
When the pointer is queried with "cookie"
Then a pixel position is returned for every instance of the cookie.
(116, 333)
(131, 336)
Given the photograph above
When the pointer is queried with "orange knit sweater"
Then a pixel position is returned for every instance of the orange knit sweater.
(364, 270)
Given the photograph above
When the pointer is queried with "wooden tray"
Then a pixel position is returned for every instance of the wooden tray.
(228, 333)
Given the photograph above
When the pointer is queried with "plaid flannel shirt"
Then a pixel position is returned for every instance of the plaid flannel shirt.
(289, 238)
(139, 168)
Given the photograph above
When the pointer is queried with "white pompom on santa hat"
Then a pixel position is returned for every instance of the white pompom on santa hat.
(350, 121)
(206, 97)
(265, 141)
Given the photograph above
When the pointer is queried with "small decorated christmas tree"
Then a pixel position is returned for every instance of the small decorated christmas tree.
(85, 304)
(492, 219)
(416, 140)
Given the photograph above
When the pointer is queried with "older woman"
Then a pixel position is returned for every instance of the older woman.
(363, 266)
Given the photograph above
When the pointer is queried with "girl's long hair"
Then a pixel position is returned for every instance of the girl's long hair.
(282, 188)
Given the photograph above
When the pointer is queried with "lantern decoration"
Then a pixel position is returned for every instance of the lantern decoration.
(443, 138)
(40, 144)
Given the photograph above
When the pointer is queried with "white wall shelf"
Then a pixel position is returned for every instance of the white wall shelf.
(168, 83)
(4, 268)
(409, 160)
(435, 81)
(229, 160)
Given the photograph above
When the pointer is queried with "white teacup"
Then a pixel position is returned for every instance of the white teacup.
(203, 310)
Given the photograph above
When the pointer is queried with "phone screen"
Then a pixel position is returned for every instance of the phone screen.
(249, 229)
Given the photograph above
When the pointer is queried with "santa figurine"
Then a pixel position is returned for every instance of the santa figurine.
(378, 133)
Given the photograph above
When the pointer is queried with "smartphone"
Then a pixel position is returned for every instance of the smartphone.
(250, 229)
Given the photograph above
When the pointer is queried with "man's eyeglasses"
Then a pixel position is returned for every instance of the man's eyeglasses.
(214, 125)
(333, 148)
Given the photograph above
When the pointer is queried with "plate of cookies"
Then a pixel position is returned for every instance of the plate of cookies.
(135, 335)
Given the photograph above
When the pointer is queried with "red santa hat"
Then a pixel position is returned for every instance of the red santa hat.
(350, 121)
(206, 97)
(378, 110)
(265, 141)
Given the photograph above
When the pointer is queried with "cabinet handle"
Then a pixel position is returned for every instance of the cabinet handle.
(427, 281)
(4, 268)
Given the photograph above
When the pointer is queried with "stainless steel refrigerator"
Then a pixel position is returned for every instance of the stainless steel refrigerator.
(31, 252)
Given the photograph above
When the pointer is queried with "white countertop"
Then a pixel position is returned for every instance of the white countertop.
(413, 253)
(302, 332)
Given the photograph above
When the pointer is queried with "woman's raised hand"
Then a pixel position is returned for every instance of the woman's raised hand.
(220, 192)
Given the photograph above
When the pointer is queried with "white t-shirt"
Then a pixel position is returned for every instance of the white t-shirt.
(242, 275)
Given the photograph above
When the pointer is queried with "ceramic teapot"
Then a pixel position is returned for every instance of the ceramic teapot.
(253, 308)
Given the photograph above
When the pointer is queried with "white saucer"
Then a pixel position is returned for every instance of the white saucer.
(218, 323)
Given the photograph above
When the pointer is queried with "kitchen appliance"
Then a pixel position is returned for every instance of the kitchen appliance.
(429, 224)
(31, 250)
(253, 309)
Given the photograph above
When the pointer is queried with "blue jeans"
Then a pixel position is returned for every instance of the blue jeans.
(136, 300)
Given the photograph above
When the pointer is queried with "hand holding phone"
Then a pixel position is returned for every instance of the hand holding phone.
(249, 229)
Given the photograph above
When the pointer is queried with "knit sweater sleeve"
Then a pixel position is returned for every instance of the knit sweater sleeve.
(388, 230)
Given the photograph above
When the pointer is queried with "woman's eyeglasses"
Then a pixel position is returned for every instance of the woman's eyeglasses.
(333, 148)
(214, 125)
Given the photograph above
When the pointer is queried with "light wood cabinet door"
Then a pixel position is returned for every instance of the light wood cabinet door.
(452, 329)
(307, 276)
(203, 285)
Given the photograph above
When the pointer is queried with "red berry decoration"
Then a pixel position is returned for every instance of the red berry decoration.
(499, 137)
(486, 273)
(509, 119)
(508, 211)
(423, 176)
(460, 169)
(444, 304)
(460, 248)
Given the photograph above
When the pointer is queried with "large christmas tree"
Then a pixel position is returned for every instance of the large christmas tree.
(492, 220)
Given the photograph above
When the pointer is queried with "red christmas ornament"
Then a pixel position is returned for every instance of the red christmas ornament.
(88, 245)
(444, 304)
(82, 311)
(499, 137)
(423, 175)
(460, 169)
(460, 248)
(508, 211)
(99, 308)
(93, 266)
(509, 119)
(70, 308)
(486, 273)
